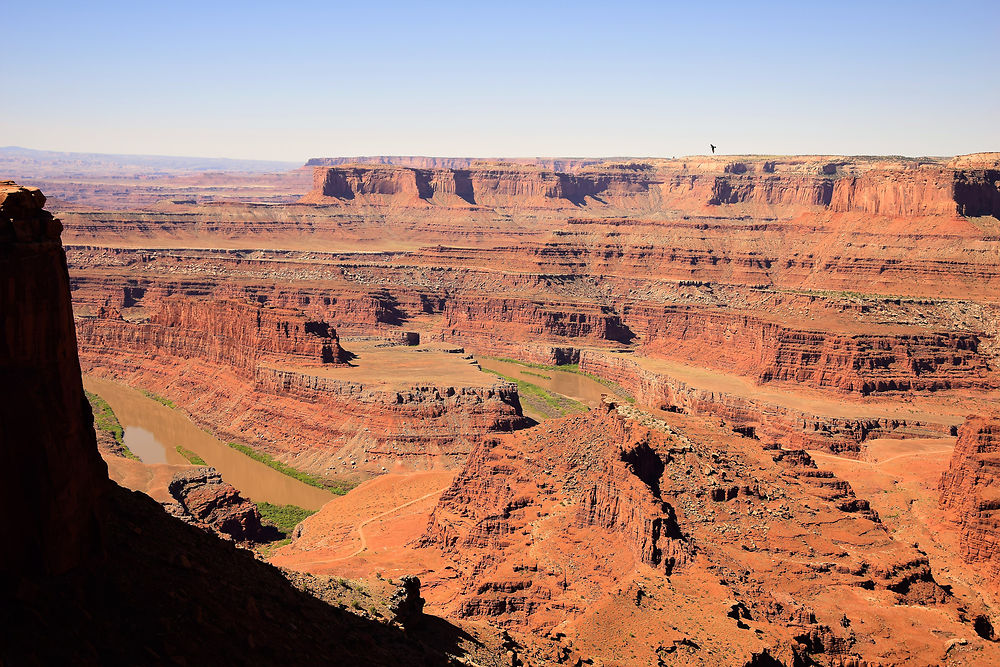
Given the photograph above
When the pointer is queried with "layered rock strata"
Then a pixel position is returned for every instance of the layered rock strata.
(900, 188)
(487, 185)
(558, 526)
(851, 350)
(256, 374)
(760, 417)
(843, 276)
(970, 492)
(95, 574)
(861, 363)
(205, 500)
(236, 334)
(856, 283)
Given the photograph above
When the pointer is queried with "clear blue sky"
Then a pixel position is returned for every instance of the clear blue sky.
(293, 80)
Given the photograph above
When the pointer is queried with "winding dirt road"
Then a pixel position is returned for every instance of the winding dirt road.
(359, 527)
(878, 463)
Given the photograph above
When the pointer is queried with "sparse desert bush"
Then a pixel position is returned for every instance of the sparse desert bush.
(340, 488)
(105, 420)
(192, 458)
(283, 517)
(159, 399)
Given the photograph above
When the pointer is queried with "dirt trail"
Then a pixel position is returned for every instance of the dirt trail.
(359, 527)
(878, 463)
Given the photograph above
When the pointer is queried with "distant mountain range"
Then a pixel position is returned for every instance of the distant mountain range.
(17, 162)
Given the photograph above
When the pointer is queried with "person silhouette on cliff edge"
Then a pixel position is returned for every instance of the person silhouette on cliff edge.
(713, 148)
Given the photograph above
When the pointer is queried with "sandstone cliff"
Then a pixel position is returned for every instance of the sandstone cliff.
(488, 185)
(555, 526)
(493, 321)
(857, 185)
(237, 334)
(813, 302)
(758, 416)
(259, 375)
(54, 479)
(769, 351)
(205, 500)
(970, 491)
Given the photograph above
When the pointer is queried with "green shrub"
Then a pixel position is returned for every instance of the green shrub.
(159, 399)
(192, 458)
(283, 517)
(340, 488)
(560, 404)
(571, 368)
(568, 368)
(265, 550)
(105, 420)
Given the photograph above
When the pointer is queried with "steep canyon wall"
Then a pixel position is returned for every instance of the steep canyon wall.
(900, 188)
(54, 481)
(842, 277)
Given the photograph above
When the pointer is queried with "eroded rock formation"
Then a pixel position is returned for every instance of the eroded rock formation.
(970, 491)
(778, 417)
(54, 480)
(857, 277)
(769, 351)
(254, 366)
(890, 188)
(205, 500)
(486, 185)
(236, 334)
(766, 305)
(406, 605)
(619, 529)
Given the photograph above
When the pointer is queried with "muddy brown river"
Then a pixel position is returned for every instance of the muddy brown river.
(153, 432)
(572, 385)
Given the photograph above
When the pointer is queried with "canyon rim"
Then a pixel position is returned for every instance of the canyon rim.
(511, 335)
(715, 410)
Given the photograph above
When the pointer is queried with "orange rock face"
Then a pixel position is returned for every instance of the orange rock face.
(863, 363)
(486, 185)
(87, 556)
(203, 499)
(887, 188)
(620, 531)
(757, 416)
(970, 491)
(250, 372)
(753, 308)
(231, 333)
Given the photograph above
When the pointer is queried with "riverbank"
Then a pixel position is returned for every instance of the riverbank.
(153, 431)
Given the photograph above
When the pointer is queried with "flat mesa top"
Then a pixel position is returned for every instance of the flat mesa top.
(803, 399)
(400, 367)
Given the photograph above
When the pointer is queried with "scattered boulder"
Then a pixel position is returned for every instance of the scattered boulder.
(406, 605)
(205, 500)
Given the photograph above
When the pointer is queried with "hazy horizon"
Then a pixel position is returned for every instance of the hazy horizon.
(476, 157)
(445, 79)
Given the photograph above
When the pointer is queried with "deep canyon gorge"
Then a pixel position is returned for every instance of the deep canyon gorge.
(794, 460)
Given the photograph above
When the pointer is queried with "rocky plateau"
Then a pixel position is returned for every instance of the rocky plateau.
(793, 463)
